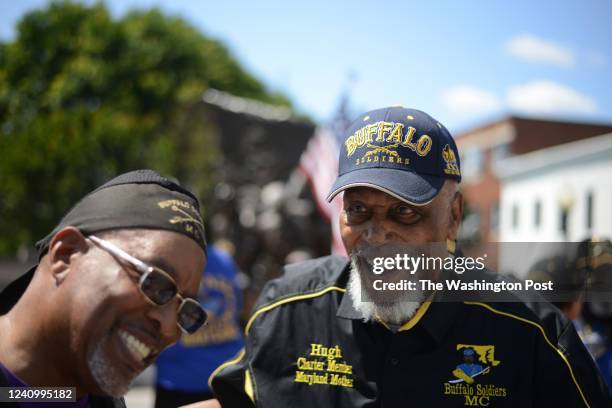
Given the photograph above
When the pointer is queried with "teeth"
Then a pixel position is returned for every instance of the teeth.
(138, 349)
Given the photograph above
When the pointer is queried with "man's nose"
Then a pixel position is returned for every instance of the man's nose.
(165, 316)
(377, 232)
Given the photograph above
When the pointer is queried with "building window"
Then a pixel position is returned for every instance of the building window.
(515, 216)
(537, 214)
(494, 218)
(471, 164)
(589, 210)
(501, 151)
(564, 220)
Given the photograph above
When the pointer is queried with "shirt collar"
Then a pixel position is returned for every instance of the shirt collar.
(436, 316)
(440, 317)
(346, 310)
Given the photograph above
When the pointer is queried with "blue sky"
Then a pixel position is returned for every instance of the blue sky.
(463, 62)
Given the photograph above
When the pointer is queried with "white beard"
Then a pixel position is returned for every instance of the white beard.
(110, 380)
(395, 313)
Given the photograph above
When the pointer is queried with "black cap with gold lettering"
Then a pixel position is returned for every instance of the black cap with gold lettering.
(137, 199)
(403, 152)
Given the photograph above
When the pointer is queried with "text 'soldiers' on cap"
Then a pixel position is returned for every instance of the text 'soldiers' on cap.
(404, 152)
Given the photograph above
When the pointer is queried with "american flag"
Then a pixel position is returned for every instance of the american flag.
(319, 164)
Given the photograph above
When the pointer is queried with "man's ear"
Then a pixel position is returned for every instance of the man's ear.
(456, 210)
(64, 245)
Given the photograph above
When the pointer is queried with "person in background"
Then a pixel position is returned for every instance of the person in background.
(582, 276)
(182, 369)
(597, 310)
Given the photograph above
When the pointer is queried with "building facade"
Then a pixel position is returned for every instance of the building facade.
(561, 193)
(484, 147)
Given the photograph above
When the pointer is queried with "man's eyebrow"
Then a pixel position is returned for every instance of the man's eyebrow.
(162, 264)
(412, 206)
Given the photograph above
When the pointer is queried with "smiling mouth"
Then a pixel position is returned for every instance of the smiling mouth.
(138, 350)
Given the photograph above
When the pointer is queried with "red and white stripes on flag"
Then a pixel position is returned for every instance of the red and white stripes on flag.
(319, 164)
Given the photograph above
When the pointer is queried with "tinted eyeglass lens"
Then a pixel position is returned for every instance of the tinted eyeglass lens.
(191, 316)
(158, 287)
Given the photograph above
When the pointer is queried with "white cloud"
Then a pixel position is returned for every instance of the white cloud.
(466, 99)
(549, 97)
(531, 48)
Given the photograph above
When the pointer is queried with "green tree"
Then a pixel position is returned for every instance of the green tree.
(84, 97)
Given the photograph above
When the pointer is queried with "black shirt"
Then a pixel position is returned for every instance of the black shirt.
(307, 346)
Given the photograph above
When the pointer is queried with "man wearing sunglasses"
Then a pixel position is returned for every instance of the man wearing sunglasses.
(115, 285)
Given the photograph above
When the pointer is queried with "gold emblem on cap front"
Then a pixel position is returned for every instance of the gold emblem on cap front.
(451, 161)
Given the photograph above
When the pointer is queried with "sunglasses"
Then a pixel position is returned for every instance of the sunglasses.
(158, 287)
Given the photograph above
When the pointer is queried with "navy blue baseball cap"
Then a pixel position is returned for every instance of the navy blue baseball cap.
(404, 152)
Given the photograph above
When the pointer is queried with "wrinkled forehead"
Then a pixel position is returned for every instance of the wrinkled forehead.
(375, 196)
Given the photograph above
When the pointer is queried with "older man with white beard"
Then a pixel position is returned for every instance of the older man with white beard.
(322, 336)
(116, 283)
